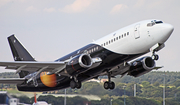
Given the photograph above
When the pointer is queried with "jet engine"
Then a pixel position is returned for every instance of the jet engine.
(79, 64)
(141, 66)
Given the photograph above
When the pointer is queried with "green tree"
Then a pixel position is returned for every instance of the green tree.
(145, 84)
(156, 84)
(177, 83)
(25, 99)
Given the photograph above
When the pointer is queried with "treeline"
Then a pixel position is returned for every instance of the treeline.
(149, 85)
(152, 77)
(83, 101)
(9, 75)
(146, 90)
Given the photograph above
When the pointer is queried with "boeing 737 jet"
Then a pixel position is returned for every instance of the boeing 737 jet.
(112, 55)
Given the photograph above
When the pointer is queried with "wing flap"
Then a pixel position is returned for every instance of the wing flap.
(12, 80)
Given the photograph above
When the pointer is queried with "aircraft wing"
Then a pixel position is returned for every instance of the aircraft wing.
(135, 68)
(33, 66)
(124, 69)
(12, 80)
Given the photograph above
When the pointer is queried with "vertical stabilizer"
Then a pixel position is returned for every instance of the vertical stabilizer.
(19, 53)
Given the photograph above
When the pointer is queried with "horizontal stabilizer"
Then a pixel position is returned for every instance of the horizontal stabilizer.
(12, 80)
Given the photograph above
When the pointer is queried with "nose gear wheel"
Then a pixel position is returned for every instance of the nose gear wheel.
(155, 56)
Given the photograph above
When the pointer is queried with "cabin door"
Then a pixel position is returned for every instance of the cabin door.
(136, 31)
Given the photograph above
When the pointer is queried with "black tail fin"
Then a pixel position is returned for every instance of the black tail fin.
(19, 53)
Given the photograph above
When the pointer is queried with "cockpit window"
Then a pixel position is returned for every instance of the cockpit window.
(153, 23)
(158, 22)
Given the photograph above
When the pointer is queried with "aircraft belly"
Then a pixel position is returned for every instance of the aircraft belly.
(51, 82)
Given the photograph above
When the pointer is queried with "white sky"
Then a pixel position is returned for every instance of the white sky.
(52, 29)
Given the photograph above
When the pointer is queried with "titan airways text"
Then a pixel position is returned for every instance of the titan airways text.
(112, 55)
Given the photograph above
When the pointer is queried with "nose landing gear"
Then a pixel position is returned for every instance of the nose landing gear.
(155, 56)
(156, 48)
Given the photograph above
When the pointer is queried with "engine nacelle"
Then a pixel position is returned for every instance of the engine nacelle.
(141, 66)
(79, 64)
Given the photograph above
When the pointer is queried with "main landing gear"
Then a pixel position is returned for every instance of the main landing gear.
(74, 83)
(109, 84)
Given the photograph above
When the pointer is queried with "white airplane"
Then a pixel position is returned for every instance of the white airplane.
(111, 55)
(39, 102)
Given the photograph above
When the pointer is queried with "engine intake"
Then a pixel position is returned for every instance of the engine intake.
(141, 66)
(79, 64)
(148, 63)
(85, 61)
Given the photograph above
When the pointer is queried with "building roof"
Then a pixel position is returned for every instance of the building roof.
(5, 93)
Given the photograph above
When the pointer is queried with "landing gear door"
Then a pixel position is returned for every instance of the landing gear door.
(136, 31)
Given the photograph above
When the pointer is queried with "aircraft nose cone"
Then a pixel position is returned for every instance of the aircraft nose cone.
(167, 30)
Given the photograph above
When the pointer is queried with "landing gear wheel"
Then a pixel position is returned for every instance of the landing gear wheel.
(106, 85)
(111, 85)
(78, 85)
(73, 84)
(155, 57)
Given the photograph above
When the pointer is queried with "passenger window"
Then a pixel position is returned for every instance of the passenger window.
(124, 34)
(127, 33)
(111, 40)
(116, 38)
(104, 44)
(119, 37)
